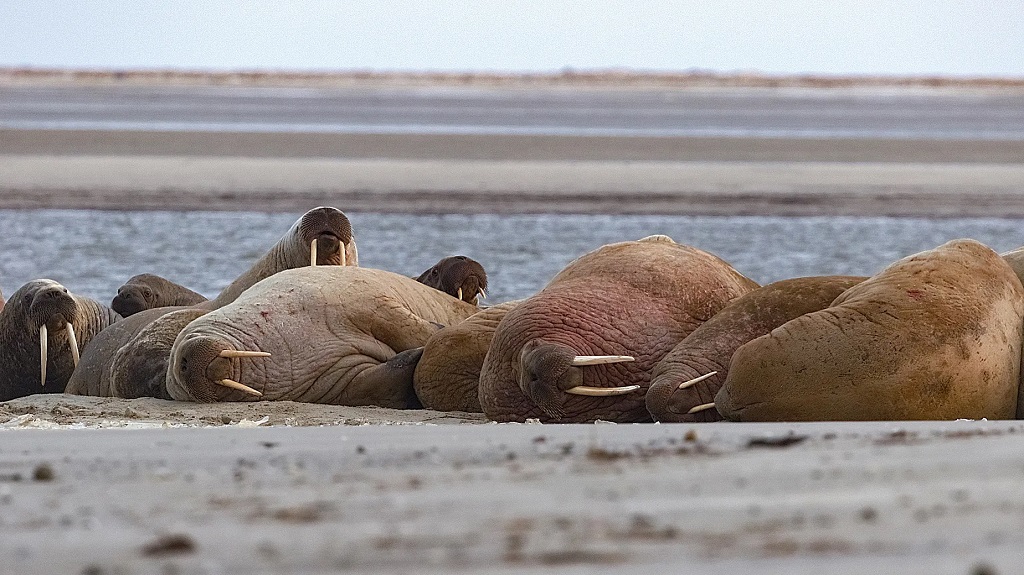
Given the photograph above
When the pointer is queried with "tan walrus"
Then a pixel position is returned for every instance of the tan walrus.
(447, 377)
(684, 383)
(583, 348)
(321, 236)
(42, 330)
(329, 334)
(936, 335)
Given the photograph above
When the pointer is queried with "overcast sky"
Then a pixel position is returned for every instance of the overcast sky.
(782, 36)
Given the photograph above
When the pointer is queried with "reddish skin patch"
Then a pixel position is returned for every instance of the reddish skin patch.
(915, 294)
(265, 314)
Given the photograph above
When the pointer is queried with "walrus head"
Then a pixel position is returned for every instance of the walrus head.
(548, 371)
(457, 276)
(205, 365)
(47, 309)
(133, 297)
(328, 233)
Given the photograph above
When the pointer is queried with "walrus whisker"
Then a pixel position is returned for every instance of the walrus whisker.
(701, 407)
(239, 386)
(600, 359)
(242, 353)
(602, 391)
(73, 342)
(695, 380)
(42, 353)
(459, 295)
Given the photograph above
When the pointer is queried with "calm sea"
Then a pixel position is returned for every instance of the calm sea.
(94, 252)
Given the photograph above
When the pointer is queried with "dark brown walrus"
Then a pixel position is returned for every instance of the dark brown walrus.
(148, 291)
(936, 335)
(566, 354)
(322, 235)
(457, 276)
(691, 374)
(42, 330)
(447, 377)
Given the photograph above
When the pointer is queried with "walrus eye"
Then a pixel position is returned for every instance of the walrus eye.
(147, 293)
(433, 273)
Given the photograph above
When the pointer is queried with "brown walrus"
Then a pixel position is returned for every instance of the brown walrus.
(936, 335)
(457, 276)
(42, 330)
(322, 236)
(684, 383)
(328, 334)
(147, 291)
(566, 354)
(447, 377)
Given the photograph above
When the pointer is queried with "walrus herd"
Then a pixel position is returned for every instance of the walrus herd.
(636, 331)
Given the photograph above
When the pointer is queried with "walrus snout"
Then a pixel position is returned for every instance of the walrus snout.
(53, 307)
(458, 276)
(204, 365)
(545, 373)
(683, 397)
(328, 232)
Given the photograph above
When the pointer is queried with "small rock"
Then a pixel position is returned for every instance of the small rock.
(43, 472)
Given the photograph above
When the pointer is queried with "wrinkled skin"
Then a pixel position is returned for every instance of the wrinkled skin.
(934, 336)
(456, 273)
(37, 303)
(710, 347)
(148, 291)
(329, 226)
(447, 377)
(632, 298)
(337, 335)
(92, 377)
(139, 367)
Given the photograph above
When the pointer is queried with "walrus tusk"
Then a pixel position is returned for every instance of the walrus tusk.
(238, 353)
(483, 294)
(343, 248)
(312, 253)
(239, 386)
(701, 407)
(459, 295)
(42, 353)
(695, 380)
(73, 342)
(600, 359)
(602, 391)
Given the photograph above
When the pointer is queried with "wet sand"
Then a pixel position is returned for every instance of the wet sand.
(510, 174)
(239, 496)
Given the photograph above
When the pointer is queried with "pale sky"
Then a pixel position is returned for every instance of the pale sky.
(915, 37)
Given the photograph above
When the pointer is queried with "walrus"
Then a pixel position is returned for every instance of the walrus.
(936, 335)
(447, 377)
(147, 291)
(583, 347)
(331, 334)
(42, 330)
(684, 382)
(322, 236)
(457, 276)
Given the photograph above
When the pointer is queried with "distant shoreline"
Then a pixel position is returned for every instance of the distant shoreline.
(597, 79)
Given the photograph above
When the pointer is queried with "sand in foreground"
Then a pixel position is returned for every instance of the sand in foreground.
(808, 498)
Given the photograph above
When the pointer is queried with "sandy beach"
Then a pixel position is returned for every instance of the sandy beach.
(253, 491)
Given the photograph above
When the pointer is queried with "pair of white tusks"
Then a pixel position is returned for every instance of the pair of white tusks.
(581, 360)
(693, 382)
(233, 353)
(482, 293)
(312, 253)
(44, 348)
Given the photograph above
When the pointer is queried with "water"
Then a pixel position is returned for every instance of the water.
(94, 252)
(913, 114)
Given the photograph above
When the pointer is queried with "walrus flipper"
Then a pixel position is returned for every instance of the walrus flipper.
(387, 384)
